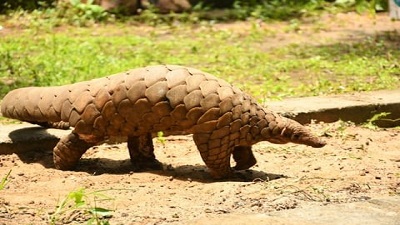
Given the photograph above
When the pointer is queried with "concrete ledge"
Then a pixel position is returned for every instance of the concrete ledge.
(27, 137)
(375, 211)
(358, 108)
(355, 107)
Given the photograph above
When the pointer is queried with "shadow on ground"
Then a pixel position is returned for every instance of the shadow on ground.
(98, 166)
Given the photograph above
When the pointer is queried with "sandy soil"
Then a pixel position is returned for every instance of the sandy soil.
(356, 165)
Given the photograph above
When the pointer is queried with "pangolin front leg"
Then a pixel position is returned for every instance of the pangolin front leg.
(244, 157)
(215, 156)
(70, 149)
(141, 151)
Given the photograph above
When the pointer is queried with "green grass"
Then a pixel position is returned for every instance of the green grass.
(44, 58)
(81, 14)
(86, 203)
(4, 180)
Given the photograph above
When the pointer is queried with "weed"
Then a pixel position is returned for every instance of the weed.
(79, 201)
(370, 124)
(4, 180)
(160, 137)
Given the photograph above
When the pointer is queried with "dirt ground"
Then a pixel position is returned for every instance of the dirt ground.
(356, 165)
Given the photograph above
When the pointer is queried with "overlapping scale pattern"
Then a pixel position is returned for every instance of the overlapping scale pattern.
(160, 98)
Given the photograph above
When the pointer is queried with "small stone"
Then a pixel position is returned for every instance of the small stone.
(170, 168)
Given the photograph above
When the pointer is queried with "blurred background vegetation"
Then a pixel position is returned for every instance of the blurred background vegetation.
(201, 9)
(47, 42)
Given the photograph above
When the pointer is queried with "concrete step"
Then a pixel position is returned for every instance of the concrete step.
(356, 107)
(384, 211)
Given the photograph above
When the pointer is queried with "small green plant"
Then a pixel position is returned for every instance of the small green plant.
(370, 124)
(160, 137)
(361, 6)
(4, 180)
(79, 13)
(80, 201)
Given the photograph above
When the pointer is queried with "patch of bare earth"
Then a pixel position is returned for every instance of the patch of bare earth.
(356, 165)
(327, 29)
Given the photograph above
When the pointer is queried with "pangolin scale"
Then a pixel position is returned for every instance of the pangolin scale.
(224, 121)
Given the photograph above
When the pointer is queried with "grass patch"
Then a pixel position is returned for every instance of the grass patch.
(72, 55)
(83, 13)
(342, 67)
(83, 204)
(370, 124)
(4, 180)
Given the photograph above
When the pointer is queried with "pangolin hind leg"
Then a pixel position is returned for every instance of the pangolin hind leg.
(244, 158)
(215, 156)
(141, 151)
(70, 149)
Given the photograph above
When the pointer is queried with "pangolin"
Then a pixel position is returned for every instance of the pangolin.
(138, 103)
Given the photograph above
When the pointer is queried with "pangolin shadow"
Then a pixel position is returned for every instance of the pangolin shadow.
(198, 173)
(32, 144)
(33, 138)
(32, 149)
(99, 166)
